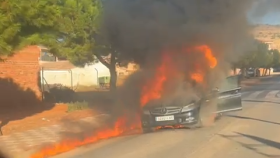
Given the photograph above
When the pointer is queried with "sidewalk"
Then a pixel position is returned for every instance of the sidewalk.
(22, 142)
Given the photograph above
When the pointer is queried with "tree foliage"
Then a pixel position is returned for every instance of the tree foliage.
(81, 40)
(275, 58)
(26, 22)
(79, 22)
(261, 57)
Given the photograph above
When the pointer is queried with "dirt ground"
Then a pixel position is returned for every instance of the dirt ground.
(46, 118)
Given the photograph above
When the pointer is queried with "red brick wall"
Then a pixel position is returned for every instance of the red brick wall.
(23, 68)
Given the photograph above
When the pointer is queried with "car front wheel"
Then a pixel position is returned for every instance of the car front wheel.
(198, 124)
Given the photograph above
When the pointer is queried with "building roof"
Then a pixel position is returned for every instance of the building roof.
(58, 65)
(42, 47)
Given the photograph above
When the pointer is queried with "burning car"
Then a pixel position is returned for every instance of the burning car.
(195, 113)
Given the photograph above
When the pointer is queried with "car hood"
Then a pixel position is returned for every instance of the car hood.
(160, 106)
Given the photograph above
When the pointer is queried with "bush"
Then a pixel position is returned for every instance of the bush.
(74, 106)
(59, 94)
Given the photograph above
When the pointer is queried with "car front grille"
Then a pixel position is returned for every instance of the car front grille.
(163, 111)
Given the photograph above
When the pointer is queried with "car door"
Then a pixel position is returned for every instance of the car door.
(229, 95)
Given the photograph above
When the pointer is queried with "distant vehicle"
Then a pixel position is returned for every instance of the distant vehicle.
(251, 72)
(195, 113)
(276, 69)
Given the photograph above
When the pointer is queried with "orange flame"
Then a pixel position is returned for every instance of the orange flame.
(208, 55)
(153, 89)
(120, 127)
(197, 77)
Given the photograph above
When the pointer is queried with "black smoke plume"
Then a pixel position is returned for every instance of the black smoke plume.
(142, 30)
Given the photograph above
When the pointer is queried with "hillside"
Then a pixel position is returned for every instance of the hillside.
(268, 33)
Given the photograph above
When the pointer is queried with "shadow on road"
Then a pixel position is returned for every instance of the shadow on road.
(255, 119)
(261, 101)
(262, 142)
(3, 155)
(256, 84)
(17, 102)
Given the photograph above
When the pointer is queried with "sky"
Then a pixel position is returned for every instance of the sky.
(269, 11)
(272, 18)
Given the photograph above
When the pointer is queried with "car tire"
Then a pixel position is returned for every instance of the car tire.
(198, 124)
(206, 121)
(219, 116)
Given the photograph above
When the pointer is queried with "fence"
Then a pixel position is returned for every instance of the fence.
(84, 79)
(54, 83)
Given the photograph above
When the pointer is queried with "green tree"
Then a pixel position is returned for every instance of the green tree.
(26, 22)
(261, 57)
(79, 22)
(276, 58)
(245, 61)
(81, 39)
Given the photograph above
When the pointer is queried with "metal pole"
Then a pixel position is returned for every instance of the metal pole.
(97, 77)
(42, 83)
(71, 79)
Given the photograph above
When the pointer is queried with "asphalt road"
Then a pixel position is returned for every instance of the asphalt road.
(253, 132)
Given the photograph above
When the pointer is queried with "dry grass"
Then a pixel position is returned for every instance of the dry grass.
(46, 118)
(268, 33)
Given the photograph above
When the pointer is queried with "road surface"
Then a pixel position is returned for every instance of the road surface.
(253, 132)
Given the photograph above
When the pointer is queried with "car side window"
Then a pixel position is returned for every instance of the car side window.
(229, 83)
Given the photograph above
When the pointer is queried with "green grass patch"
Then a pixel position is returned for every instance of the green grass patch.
(75, 106)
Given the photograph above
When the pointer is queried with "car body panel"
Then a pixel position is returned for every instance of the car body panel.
(229, 96)
(229, 101)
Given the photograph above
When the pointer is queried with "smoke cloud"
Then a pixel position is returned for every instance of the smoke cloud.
(143, 30)
(140, 29)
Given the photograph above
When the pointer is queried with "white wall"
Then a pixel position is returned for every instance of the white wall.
(86, 76)
(238, 71)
